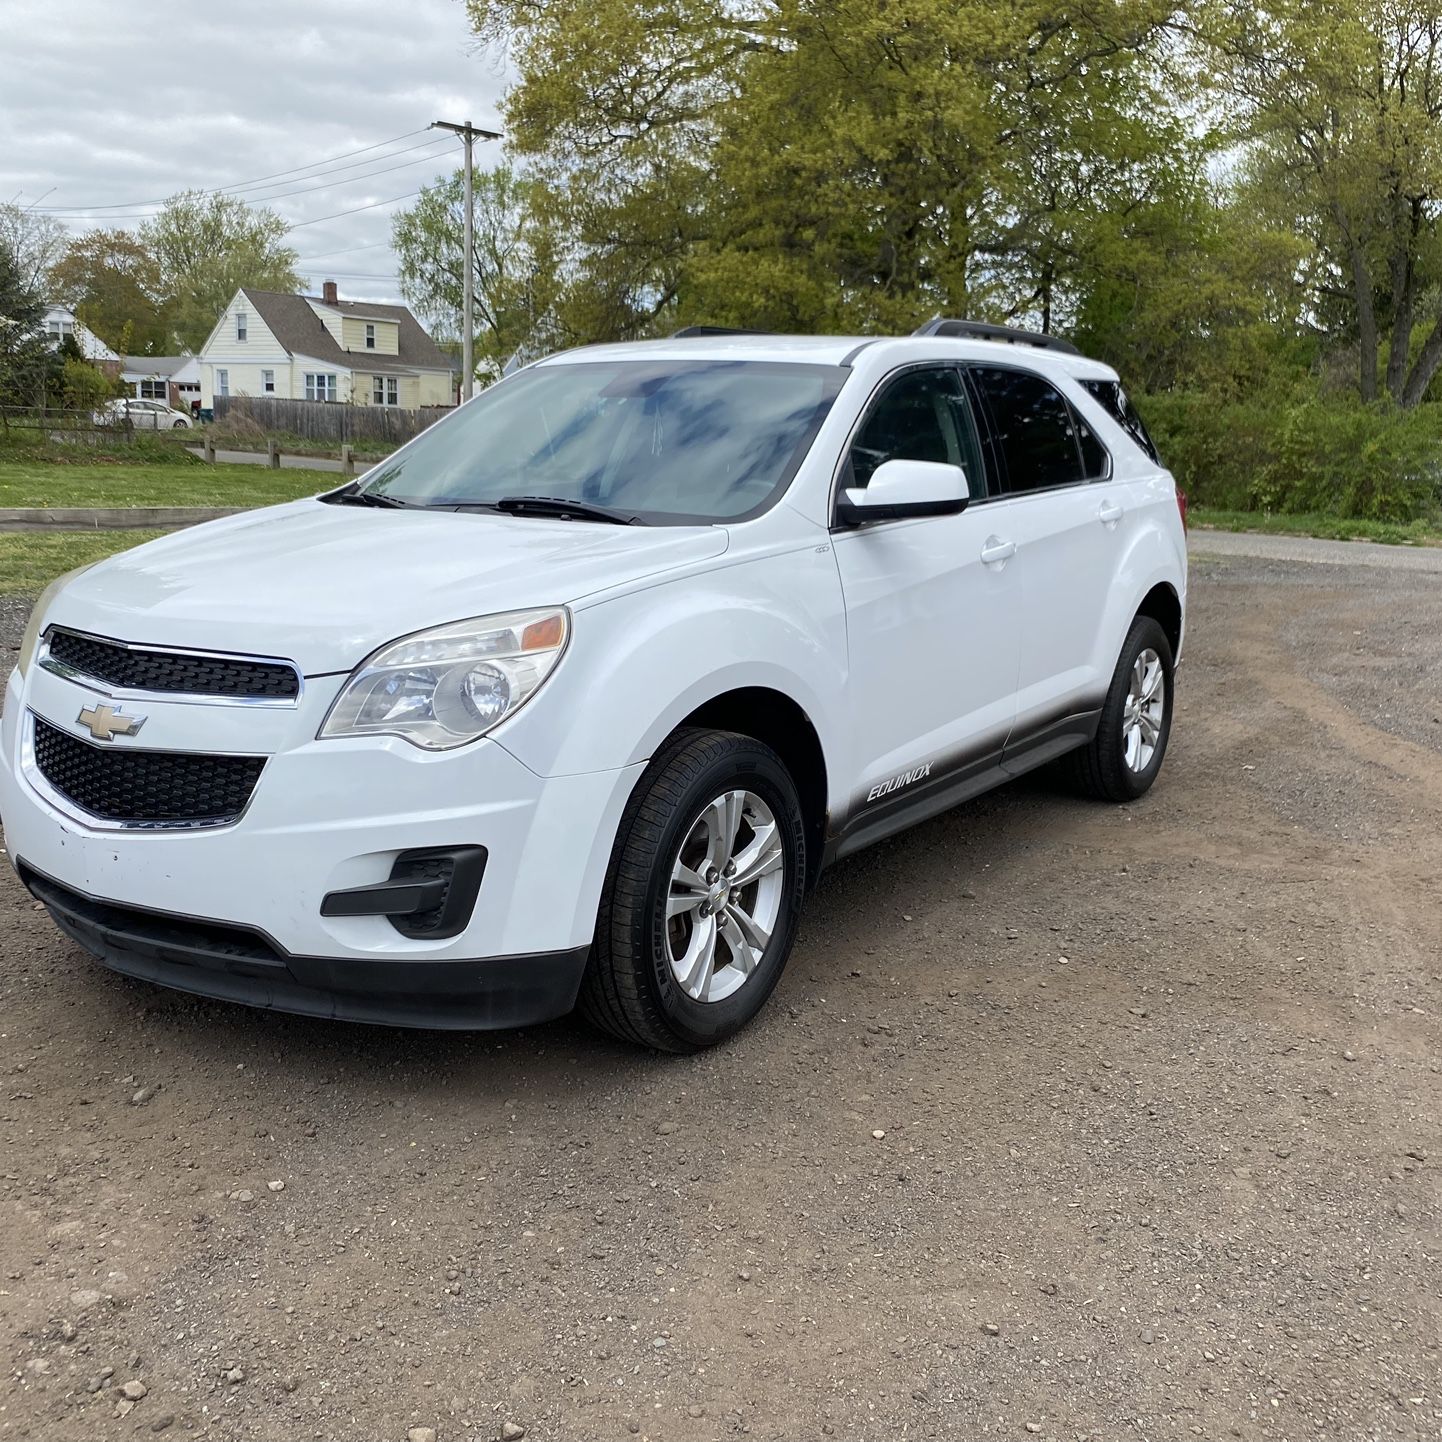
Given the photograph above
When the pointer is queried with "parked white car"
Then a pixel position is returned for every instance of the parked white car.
(143, 415)
(573, 697)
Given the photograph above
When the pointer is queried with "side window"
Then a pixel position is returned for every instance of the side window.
(1096, 462)
(923, 415)
(1035, 429)
(1118, 405)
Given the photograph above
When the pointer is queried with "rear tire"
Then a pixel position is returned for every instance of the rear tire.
(1123, 759)
(711, 851)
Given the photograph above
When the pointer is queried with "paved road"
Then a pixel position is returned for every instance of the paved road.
(1065, 1121)
(297, 463)
(1305, 548)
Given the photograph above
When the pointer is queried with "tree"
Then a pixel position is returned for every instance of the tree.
(1194, 287)
(112, 282)
(25, 353)
(835, 166)
(35, 242)
(206, 248)
(1341, 107)
(514, 275)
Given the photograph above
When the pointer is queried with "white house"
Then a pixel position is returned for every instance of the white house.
(322, 348)
(60, 322)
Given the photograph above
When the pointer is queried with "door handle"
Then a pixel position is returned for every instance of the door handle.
(1110, 513)
(995, 550)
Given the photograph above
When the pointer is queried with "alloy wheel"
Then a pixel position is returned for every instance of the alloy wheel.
(1145, 707)
(726, 890)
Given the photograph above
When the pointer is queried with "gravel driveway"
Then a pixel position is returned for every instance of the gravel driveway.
(1065, 1121)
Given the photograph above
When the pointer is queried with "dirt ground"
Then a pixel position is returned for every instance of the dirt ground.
(1159, 1090)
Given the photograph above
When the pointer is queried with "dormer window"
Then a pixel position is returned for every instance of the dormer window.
(370, 337)
(241, 322)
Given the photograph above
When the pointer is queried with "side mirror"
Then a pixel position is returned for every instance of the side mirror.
(905, 488)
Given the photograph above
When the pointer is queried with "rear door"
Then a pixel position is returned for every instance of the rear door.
(1067, 516)
(932, 627)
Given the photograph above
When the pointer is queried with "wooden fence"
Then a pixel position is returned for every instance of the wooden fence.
(110, 426)
(330, 421)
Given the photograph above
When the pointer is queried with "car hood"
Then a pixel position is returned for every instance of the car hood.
(324, 585)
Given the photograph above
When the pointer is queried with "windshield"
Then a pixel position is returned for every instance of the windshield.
(670, 442)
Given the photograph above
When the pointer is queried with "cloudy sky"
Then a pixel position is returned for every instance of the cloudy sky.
(106, 109)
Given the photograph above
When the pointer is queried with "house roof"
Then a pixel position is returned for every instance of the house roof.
(91, 346)
(155, 365)
(293, 322)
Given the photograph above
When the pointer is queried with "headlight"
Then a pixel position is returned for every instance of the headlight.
(30, 641)
(445, 687)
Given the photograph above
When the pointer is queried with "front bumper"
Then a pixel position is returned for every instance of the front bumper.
(233, 964)
(325, 817)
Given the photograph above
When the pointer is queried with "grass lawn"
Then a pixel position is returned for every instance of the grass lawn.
(30, 560)
(38, 483)
(1330, 528)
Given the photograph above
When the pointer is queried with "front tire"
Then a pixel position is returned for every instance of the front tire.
(703, 895)
(1123, 759)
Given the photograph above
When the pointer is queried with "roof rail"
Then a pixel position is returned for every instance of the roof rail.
(695, 330)
(980, 330)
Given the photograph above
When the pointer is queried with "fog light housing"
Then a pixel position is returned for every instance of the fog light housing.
(430, 895)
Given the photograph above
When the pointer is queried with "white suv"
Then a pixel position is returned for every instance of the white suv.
(573, 697)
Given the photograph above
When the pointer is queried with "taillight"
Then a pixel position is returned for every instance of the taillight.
(1182, 506)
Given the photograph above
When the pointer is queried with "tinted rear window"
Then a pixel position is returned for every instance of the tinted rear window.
(1118, 405)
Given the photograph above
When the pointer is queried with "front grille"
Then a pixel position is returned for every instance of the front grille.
(138, 669)
(145, 787)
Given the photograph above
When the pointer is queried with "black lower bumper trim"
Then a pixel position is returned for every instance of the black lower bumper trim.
(196, 956)
(430, 895)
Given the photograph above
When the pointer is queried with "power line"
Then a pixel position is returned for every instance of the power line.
(354, 165)
(301, 224)
(353, 274)
(344, 250)
(331, 184)
(245, 184)
(287, 194)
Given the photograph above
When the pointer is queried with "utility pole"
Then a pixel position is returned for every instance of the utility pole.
(469, 135)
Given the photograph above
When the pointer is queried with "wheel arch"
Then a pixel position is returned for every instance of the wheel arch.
(780, 722)
(1164, 606)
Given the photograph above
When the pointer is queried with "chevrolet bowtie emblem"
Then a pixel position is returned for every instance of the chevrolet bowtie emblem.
(106, 723)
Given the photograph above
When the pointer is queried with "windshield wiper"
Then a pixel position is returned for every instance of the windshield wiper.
(352, 495)
(562, 509)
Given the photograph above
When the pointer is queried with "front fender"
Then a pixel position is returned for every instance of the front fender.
(638, 664)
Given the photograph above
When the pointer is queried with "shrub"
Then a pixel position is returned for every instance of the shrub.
(1294, 451)
(239, 429)
(1210, 445)
(84, 387)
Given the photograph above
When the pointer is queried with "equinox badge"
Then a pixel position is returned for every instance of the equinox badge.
(106, 723)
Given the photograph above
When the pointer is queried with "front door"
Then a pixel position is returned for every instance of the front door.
(931, 616)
